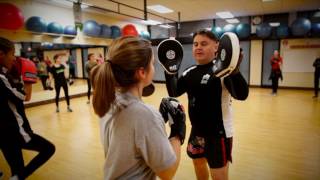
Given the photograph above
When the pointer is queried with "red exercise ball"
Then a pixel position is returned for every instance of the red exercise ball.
(129, 30)
(11, 16)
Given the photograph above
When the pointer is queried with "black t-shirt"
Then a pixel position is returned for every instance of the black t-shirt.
(58, 74)
(316, 65)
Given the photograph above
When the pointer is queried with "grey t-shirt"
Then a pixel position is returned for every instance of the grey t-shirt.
(134, 139)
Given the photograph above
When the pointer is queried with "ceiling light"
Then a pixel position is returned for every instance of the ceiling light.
(274, 24)
(160, 9)
(224, 14)
(166, 26)
(151, 22)
(232, 21)
(267, 0)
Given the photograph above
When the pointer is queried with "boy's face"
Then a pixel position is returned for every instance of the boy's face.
(7, 59)
(204, 49)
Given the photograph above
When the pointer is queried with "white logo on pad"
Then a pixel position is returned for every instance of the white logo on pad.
(171, 54)
(223, 55)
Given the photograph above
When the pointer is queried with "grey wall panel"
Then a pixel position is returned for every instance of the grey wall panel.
(245, 64)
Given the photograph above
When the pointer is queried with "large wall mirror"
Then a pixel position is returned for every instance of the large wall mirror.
(74, 58)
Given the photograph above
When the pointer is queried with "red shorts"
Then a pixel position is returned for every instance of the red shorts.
(217, 151)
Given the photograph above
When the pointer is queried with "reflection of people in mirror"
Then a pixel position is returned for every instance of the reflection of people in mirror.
(89, 65)
(43, 74)
(100, 59)
(72, 64)
(316, 65)
(276, 62)
(57, 71)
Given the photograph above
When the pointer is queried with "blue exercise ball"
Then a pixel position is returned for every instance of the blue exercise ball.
(55, 27)
(315, 29)
(243, 30)
(263, 30)
(145, 35)
(115, 32)
(92, 28)
(229, 28)
(218, 31)
(282, 31)
(36, 24)
(70, 30)
(105, 31)
(300, 27)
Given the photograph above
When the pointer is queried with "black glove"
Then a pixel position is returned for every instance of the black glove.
(173, 111)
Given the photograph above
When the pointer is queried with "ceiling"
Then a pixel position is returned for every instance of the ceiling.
(191, 10)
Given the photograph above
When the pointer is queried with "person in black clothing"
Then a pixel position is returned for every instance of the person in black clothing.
(91, 63)
(57, 71)
(316, 65)
(15, 131)
(209, 142)
(72, 72)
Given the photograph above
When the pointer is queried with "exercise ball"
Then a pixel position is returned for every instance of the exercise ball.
(36, 24)
(11, 17)
(55, 27)
(115, 32)
(145, 35)
(129, 30)
(243, 30)
(92, 28)
(282, 31)
(315, 29)
(105, 31)
(300, 27)
(229, 28)
(218, 31)
(70, 30)
(263, 30)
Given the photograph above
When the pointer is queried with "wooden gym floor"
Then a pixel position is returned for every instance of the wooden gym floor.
(276, 138)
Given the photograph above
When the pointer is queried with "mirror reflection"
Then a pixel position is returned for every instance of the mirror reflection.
(74, 58)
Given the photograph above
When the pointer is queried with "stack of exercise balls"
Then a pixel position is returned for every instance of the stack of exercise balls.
(70, 30)
(218, 31)
(55, 28)
(36, 24)
(243, 30)
(229, 28)
(91, 28)
(264, 30)
(105, 31)
(115, 31)
(145, 35)
(300, 27)
(315, 29)
(129, 30)
(282, 31)
(11, 17)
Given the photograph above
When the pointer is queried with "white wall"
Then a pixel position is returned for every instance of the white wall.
(298, 57)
